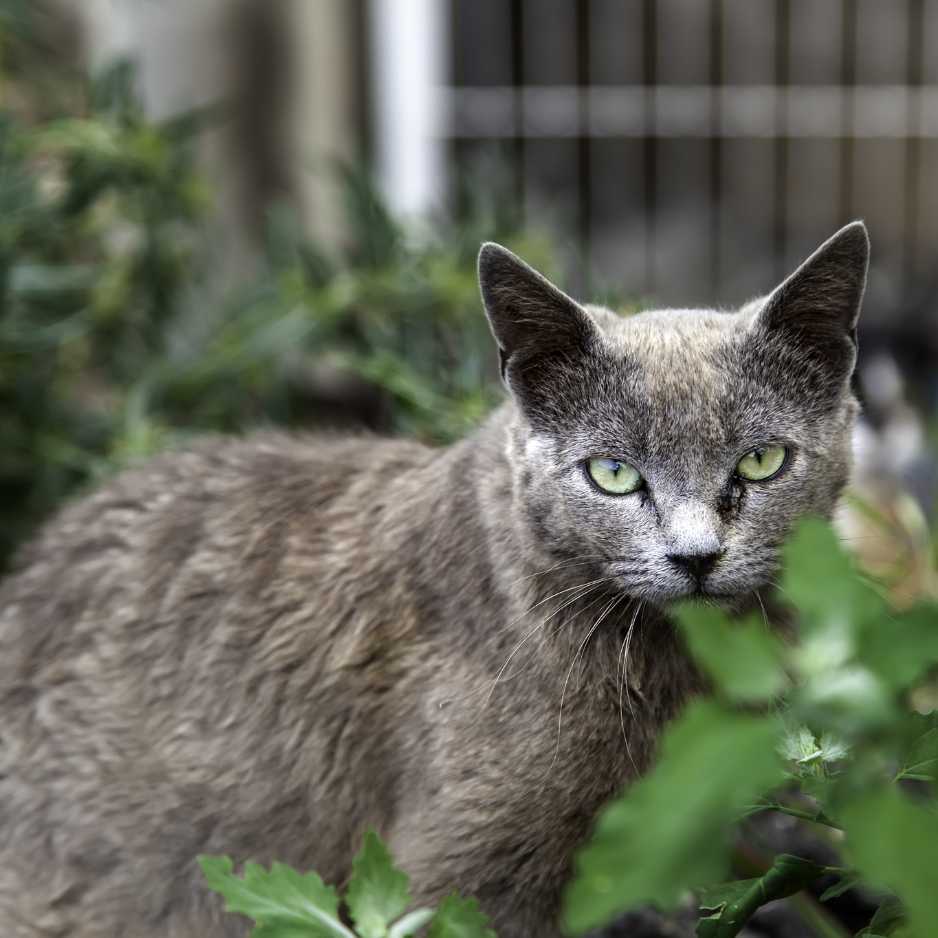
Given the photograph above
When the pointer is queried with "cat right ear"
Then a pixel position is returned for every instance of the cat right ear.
(535, 324)
(818, 305)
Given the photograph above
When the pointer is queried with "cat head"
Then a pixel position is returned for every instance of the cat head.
(677, 447)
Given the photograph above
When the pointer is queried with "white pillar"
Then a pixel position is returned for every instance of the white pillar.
(409, 68)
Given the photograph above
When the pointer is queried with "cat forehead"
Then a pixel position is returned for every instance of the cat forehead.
(675, 333)
(675, 349)
(682, 374)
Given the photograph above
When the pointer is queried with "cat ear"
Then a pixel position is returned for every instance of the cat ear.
(818, 305)
(531, 319)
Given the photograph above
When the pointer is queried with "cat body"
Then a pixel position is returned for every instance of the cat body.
(264, 647)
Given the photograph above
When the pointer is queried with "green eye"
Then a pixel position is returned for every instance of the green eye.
(761, 463)
(613, 475)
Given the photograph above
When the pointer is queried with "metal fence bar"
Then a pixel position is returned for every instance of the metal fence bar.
(780, 150)
(650, 141)
(912, 171)
(584, 175)
(802, 109)
(716, 145)
(847, 80)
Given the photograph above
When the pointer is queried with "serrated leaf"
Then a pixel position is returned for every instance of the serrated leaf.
(743, 658)
(833, 749)
(664, 836)
(893, 842)
(377, 892)
(799, 744)
(279, 897)
(460, 918)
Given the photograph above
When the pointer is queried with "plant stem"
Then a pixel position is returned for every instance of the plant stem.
(817, 817)
(787, 875)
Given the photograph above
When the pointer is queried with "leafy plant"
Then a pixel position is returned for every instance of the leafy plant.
(823, 730)
(288, 904)
(118, 338)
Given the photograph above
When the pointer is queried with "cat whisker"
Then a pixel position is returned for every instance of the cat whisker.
(608, 608)
(765, 617)
(580, 561)
(541, 602)
(620, 680)
(585, 588)
(625, 683)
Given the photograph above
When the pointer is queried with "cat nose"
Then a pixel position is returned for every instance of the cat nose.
(697, 565)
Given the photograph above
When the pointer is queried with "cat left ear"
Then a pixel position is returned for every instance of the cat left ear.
(529, 316)
(818, 305)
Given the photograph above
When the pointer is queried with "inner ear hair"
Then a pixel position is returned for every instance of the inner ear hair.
(821, 300)
(528, 315)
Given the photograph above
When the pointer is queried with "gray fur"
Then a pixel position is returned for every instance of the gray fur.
(263, 647)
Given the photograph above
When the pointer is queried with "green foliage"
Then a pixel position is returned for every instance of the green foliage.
(281, 901)
(377, 893)
(118, 337)
(671, 829)
(730, 907)
(286, 904)
(835, 709)
(719, 645)
(460, 918)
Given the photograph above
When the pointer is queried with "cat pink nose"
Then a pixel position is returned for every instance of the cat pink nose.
(697, 565)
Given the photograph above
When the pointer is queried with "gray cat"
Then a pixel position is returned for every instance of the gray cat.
(263, 647)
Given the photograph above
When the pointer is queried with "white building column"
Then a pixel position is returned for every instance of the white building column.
(409, 41)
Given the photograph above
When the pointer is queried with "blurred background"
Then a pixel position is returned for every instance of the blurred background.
(223, 214)
(228, 213)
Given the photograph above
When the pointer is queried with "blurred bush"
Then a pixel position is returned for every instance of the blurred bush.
(116, 338)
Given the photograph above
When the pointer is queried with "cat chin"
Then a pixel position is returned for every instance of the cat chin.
(663, 599)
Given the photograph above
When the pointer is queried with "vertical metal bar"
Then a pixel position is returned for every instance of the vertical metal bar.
(584, 164)
(455, 202)
(517, 81)
(780, 156)
(716, 144)
(650, 143)
(848, 78)
(915, 23)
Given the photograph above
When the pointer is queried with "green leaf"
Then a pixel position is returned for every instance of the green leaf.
(282, 900)
(715, 897)
(921, 760)
(849, 700)
(818, 576)
(669, 832)
(377, 892)
(888, 917)
(832, 601)
(800, 746)
(901, 647)
(743, 658)
(893, 842)
(460, 918)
